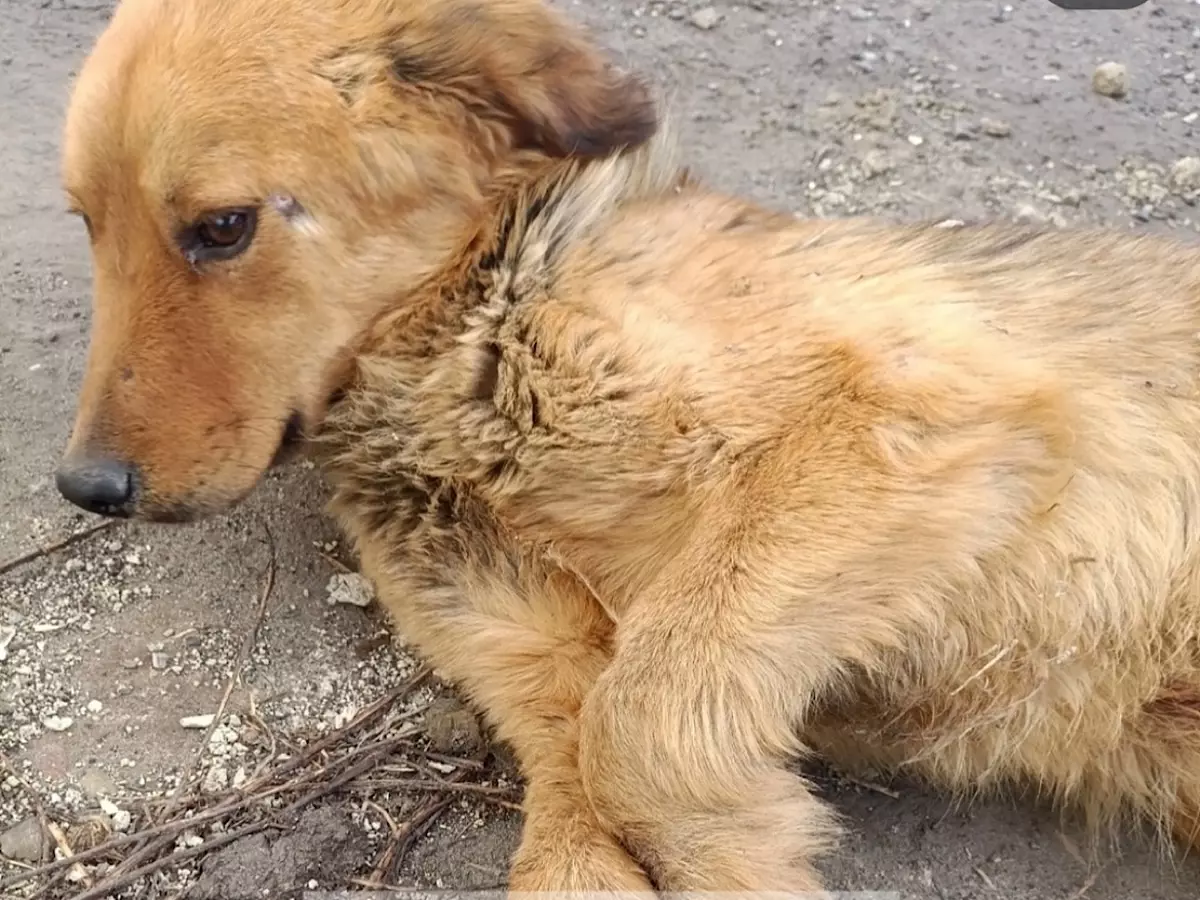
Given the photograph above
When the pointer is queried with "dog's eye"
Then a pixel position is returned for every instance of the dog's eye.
(222, 234)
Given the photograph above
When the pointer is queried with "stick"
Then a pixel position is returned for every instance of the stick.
(187, 784)
(38, 552)
(64, 845)
(419, 784)
(250, 794)
(111, 885)
(239, 663)
(1082, 890)
(403, 837)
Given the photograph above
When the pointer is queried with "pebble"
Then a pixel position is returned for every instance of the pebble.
(1185, 174)
(876, 163)
(706, 18)
(996, 128)
(197, 721)
(96, 783)
(215, 780)
(24, 841)
(1029, 214)
(94, 706)
(452, 728)
(121, 819)
(58, 723)
(349, 588)
(1111, 79)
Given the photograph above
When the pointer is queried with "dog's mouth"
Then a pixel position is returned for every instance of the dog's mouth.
(290, 442)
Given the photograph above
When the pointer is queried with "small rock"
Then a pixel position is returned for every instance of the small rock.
(7, 633)
(452, 728)
(1111, 79)
(159, 660)
(58, 723)
(876, 163)
(94, 706)
(916, 140)
(215, 780)
(349, 588)
(25, 841)
(964, 131)
(706, 18)
(1185, 174)
(1028, 214)
(120, 818)
(96, 783)
(996, 128)
(197, 721)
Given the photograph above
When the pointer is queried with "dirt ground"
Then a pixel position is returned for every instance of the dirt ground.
(907, 110)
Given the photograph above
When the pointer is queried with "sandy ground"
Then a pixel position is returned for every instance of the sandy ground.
(906, 110)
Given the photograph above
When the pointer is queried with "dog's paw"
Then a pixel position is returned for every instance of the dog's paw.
(576, 857)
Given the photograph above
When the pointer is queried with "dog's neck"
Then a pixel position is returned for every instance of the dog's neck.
(421, 402)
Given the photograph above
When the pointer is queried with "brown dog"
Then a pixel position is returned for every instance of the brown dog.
(672, 485)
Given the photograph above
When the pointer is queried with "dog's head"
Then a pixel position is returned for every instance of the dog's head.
(261, 179)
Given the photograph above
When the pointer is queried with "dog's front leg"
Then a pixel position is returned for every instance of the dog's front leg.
(526, 643)
(686, 736)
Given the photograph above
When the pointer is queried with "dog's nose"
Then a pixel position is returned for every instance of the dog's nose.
(102, 486)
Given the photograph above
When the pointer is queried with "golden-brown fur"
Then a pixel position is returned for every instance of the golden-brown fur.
(674, 487)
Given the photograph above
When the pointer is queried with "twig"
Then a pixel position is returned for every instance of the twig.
(335, 562)
(983, 876)
(252, 793)
(45, 824)
(367, 715)
(39, 552)
(239, 663)
(403, 837)
(459, 761)
(421, 823)
(114, 884)
(187, 783)
(1082, 890)
(77, 870)
(415, 784)
(872, 786)
(50, 884)
(329, 787)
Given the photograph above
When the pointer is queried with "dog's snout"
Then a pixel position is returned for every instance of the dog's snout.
(102, 486)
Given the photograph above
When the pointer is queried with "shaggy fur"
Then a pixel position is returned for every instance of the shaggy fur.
(673, 486)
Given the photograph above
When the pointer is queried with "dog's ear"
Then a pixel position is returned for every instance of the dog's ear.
(518, 64)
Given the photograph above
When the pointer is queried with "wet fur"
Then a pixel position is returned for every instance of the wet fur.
(675, 487)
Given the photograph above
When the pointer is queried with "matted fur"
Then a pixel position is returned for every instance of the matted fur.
(673, 486)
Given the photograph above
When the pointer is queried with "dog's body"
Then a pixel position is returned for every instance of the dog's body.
(674, 486)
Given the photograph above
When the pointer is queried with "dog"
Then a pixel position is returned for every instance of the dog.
(673, 486)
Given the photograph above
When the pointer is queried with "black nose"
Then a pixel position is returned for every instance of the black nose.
(101, 486)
